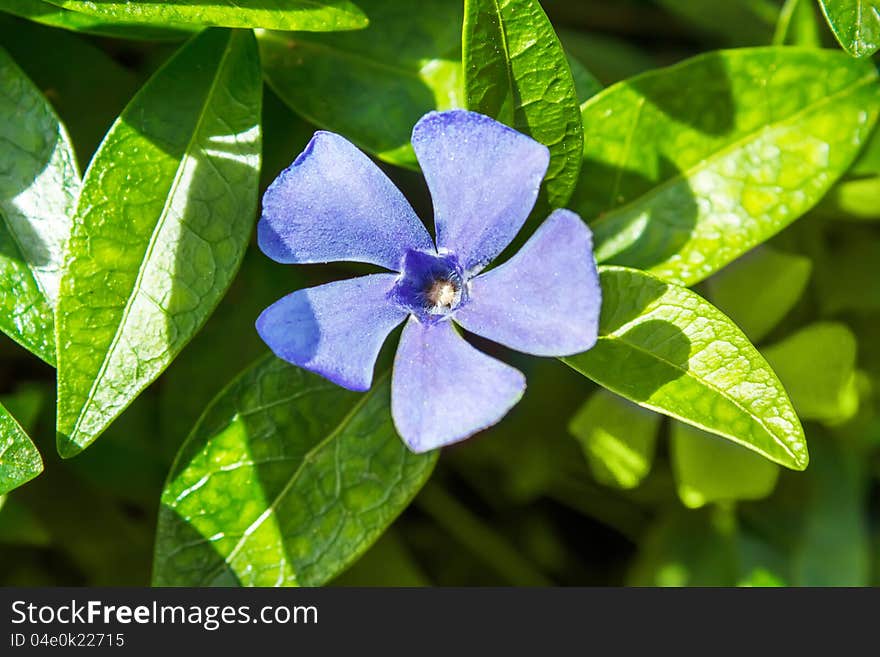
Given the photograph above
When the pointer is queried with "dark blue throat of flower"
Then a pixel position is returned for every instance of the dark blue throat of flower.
(430, 286)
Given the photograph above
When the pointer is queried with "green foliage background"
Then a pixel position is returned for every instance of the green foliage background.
(724, 153)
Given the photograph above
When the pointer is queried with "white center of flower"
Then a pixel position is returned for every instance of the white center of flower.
(441, 294)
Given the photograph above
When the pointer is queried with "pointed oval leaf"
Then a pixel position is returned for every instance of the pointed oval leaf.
(687, 168)
(19, 459)
(372, 85)
(48, 14)
(39, 186)
(709, 469)
(167, 207)
(618, 438)
(855, 23)
(284, 481)
(516, 71)
(311, 15)
(667, 349)
(757, 290)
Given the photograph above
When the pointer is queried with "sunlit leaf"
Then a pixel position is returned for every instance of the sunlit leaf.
(39, 186)
(286, 480)
(687, 168)
(667, 349)
(19, 459)
(167, 207)
(516, 71)
(372, 85)
(618, 438)
(49, 14)
(316, 15)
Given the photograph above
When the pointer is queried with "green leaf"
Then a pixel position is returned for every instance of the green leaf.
(87, 88)
(855, 23)
(516, 71)
(709, 469)
(372, 85)
(38, 191)
(618, 439)
(667, 349)
(19, 459)
(310, 15)
(48, 14)
(285, 480)
(817, 366)
(687, 168)
(757, 290)
(165, 213)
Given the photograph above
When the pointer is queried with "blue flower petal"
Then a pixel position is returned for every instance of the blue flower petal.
(443, 390)
(333, 203)
(335, 330)
(484, 178)
(546, 299)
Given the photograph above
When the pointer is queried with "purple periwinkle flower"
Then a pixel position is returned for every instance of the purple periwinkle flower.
(334, 204)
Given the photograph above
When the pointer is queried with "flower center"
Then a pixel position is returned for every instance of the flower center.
(430, 286)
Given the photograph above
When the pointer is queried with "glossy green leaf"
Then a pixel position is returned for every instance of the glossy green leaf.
(167, 207)
(372, 85)
(855, 23)
(310, 15)
(687, 168)
(618, 439)
(19, 459)
(516, 71)
(48, 14)
(757, 290)
(285, 480)
(667, 349)
(39, 186)
(709, 469)
(817, 366)
(87, 88)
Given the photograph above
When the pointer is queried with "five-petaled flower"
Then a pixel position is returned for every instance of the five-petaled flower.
(334, 204)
